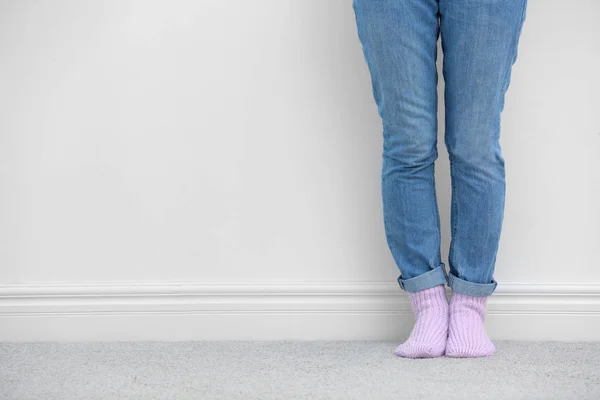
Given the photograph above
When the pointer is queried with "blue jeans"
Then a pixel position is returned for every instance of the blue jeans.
(479, 42)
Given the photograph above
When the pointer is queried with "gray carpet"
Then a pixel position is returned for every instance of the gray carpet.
(293, 370)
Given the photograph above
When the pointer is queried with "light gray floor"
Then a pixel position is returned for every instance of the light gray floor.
(293, 370)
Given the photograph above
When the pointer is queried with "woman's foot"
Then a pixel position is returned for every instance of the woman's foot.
(430, 333)
(466, 334)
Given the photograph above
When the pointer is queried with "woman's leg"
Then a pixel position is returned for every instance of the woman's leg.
(479, 40)
(399, 39)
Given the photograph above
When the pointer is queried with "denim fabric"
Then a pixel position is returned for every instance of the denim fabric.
(479, 43)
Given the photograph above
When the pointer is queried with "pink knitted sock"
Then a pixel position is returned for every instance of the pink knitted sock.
(466, 334)
(429, 335)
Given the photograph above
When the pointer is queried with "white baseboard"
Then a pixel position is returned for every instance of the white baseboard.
(181, 311)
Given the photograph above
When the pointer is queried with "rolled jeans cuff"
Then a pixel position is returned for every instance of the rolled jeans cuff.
(471, 288)
(429, 279)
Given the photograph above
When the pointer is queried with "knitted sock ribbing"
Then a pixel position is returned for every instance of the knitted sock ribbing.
(466, 333)
(429, 335)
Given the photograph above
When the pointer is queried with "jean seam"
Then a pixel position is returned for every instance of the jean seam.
(454, 210)
(438, 255)
(507, 76)
(375, 90)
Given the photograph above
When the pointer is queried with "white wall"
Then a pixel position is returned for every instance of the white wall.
(232, 141)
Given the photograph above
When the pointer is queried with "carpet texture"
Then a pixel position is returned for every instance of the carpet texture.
(293, 370)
